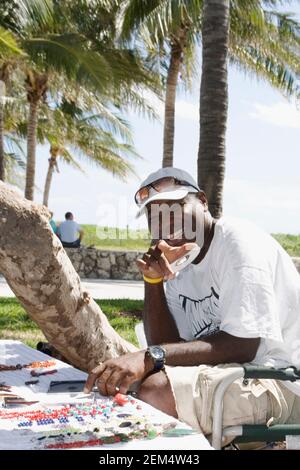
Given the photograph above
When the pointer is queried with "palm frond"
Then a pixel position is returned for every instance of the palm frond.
(160, 16)
(271, 52)
(8, 45)
(159, 25)
(65, 53)
(267, 68)
(110, 160)
(67, 157)
(37, 16)
(13, 145)
(16, 159)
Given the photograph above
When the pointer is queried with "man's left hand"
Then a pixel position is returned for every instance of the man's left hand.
(117, 375)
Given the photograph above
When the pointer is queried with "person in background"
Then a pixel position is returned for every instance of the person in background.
(70, 232)
(52, 223)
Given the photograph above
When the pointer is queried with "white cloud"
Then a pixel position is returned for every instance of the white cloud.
(280, 114)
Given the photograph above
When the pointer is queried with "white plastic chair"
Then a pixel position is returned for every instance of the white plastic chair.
(140, 333)
(246, 433)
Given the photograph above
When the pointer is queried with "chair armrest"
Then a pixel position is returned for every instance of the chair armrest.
(259, 372)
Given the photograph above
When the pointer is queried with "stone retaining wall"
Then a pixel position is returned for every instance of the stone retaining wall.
(99, 264)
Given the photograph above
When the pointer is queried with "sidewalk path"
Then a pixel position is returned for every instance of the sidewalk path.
(98, 288)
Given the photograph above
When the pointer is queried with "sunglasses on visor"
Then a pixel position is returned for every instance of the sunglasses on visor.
(158, 186)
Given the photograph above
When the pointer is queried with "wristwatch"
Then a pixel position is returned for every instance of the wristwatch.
(158, 356)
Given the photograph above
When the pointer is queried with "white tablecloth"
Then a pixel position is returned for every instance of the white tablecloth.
(14, 352)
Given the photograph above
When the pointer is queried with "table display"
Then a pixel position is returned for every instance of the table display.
(31, 418)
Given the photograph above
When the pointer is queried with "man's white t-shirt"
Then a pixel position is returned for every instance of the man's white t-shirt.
(247, 286)
(68, 231)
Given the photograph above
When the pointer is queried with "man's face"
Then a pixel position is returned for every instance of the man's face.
(178, 222)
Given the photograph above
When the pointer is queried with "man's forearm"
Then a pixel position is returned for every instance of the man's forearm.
(159, 324)
(215, 349)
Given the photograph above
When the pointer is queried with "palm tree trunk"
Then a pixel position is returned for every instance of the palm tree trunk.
(2, 163)
(31, 150)
(213, 102)
(48, 181)
(43, 279)
(177, 46)
(4, 76)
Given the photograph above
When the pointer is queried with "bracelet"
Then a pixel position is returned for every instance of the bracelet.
(151, 280)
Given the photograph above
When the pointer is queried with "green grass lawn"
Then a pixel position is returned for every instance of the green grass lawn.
(291, 243)
(15, 324)
(117, 239)
(131, 240)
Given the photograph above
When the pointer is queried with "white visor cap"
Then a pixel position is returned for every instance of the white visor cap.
(177, 193)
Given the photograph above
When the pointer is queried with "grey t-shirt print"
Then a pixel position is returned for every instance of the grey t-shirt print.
(201, 314)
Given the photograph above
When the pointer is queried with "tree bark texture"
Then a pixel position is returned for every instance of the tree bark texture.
(31, 150)
(177, 50)
(42, 277)
(2, 161)
(213, 102)
(48, 182)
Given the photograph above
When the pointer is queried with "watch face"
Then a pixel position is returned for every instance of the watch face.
(157, 353)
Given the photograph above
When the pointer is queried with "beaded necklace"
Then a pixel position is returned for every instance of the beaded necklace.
(141, 434)
(62, 414)
(31, 365)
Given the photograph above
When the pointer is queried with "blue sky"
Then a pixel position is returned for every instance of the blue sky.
(262, 170)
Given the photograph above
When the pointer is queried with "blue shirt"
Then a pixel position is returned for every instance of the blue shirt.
(68, 231)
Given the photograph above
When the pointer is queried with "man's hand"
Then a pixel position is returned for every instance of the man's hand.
(116, 375)
(156, 262)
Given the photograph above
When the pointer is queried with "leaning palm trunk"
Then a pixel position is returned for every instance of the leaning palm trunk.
(2, 164)
(42, 277)
(48, 183)
(31, 150)
(213, 102)
(36, 87)
(177, 46)
(52, 164)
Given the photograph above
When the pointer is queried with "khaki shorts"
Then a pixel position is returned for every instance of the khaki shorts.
(255, 401)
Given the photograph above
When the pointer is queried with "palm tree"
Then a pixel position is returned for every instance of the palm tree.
(213, 101)
(177, 45)
(55, 151)
(262, 41)
(8, 52)
(89, 141)
(36, 86)
(70, 130)
(108, 72)
(169, 30)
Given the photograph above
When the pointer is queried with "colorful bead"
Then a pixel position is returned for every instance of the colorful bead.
(120, 399)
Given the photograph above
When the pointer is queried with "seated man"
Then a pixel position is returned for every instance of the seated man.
(68, 232)
(237, 302)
